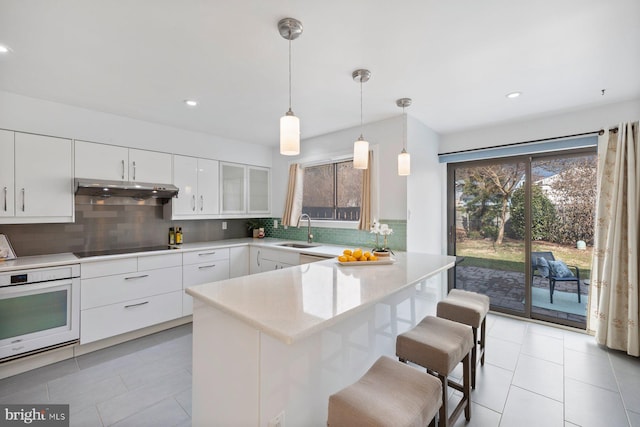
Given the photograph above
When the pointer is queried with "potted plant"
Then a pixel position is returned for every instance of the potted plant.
(255, 226)
(384, 231)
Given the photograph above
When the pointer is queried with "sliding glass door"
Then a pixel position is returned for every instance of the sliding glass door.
(522, 229)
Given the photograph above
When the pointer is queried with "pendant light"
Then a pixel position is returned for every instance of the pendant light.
(361, 146)
(289, 29)
(404, 159)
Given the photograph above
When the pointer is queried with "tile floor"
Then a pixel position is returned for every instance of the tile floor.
(534, 375)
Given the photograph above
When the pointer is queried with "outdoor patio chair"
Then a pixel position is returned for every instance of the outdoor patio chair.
(545, 265)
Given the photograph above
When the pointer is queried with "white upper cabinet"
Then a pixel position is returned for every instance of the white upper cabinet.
(244, 189)
(258, 194)
(233, 188)
(43, 186)
(102, 161)
(149, 166)
(197, 180)
(7, 199)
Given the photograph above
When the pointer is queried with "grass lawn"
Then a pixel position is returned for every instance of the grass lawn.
(510, 255)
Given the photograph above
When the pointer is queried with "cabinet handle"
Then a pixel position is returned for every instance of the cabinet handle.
(193, 202)
(201, 203)
(17, 348)
(134, 171)
(136, 277)
(23, 201)
(207, 253)
(123, 170)
(202, 267)
(258, 258)
(16, 341)
(136, 305)
(5, 199)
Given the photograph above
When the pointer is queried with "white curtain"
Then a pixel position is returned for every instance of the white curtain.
(613, 299)
(293, 203)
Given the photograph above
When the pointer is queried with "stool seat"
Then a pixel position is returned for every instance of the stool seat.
(435, 343)
(439, 345)
(390, 393)
(465, 307)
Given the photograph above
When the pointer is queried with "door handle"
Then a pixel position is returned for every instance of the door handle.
(23, 201)
(193, 202)
(136, 305)
(134, 171)
(136, 277)
(123, 170)
(201, 203)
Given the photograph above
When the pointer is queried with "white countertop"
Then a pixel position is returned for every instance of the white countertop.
(38, 261)
(295, 302)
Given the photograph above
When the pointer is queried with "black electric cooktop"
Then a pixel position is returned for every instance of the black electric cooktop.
(105, 252)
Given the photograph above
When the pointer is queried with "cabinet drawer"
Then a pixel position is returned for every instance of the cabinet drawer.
(102, 291)
(198, 274)
(203, 273)
(108, 268)
(198, 257)
(103, 322)
(153, 262)
(286, 257)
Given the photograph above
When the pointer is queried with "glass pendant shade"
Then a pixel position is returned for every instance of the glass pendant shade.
(289, 134)
(404, 163)
(361, 154)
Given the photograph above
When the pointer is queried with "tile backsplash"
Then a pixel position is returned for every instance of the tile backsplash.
(339, 236)
(99, 227)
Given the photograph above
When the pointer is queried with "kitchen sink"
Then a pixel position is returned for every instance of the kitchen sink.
(297, 245)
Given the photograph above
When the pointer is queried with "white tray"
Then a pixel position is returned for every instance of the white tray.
(362, 263)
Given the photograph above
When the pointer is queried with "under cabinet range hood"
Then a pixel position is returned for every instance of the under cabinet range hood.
(135, 190)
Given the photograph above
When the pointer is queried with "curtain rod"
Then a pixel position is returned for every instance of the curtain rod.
(595, 132)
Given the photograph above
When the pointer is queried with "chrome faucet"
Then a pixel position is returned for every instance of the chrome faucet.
(308, 218)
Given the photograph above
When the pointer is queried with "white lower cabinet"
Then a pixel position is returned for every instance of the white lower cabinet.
(238, 261)
(266, 259)
(123, 295)
(202, 267)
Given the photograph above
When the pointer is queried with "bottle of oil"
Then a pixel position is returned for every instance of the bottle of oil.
(172, 236)
(178, 235)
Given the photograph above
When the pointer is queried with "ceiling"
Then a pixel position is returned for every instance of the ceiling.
(456, 59)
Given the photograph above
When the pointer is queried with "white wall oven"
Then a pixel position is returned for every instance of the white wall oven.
(39, 308)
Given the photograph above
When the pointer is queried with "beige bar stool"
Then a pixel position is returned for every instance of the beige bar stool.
(388, 394)
(471, 309)
(439, 345)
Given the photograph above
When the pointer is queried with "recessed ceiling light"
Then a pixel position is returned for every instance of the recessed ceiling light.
(4, 49)
(513, 95)
(191, 102)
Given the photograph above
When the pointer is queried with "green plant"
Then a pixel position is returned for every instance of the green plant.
(254, 223)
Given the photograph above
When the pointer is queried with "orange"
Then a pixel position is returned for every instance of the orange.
(357, 253)
(367, 254)
(343, 258)
(373, 258)
(347, 252)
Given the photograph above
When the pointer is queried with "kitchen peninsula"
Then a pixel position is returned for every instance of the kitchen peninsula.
(276, 345)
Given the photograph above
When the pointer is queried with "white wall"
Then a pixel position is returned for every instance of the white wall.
(424, 190)
(32, 115)
(552, 125)
(386, 134)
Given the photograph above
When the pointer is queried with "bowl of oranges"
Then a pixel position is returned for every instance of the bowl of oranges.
(360, 257)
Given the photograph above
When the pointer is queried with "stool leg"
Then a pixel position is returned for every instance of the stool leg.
(465, 386)
(483, 336)
(474, 355)
(444, 409)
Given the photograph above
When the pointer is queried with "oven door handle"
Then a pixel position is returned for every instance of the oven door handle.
(136, 305)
